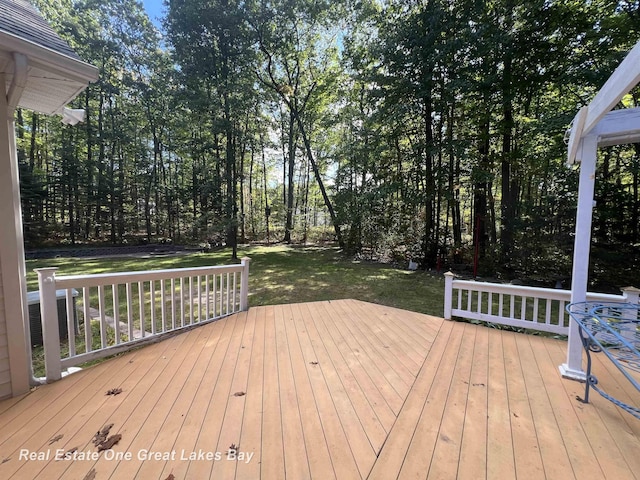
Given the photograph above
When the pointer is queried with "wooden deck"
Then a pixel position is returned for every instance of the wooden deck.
(341, 389)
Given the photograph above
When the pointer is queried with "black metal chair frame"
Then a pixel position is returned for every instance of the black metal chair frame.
(613, 329)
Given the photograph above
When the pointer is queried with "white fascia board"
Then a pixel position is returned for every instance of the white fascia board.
(49, 59)
(621, 81)
(619, 124)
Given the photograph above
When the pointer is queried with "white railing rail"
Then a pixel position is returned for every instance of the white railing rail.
(515, 305)
(112, 312)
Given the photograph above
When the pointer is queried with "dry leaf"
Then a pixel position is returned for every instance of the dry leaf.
(110, 442)
(5, 460)
(239, 394)
(114, 391)
(91, 474)
(102, 435)
(170, 477)
(55, 439)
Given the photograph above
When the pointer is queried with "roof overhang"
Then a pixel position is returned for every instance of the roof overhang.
(52, 80)
(613, 127)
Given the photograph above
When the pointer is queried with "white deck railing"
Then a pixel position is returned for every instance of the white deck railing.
(113, 312)
(517, 306)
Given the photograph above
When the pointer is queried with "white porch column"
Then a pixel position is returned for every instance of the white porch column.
(12, 249)
(582, 245)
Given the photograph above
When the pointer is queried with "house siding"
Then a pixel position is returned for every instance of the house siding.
(5, 371)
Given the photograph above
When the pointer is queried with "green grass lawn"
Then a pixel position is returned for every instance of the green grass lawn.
(286, 274)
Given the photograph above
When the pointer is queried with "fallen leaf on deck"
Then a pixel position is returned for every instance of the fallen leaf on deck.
(6, 460)
(91, 474)
(110, 442)
(114, 391)
(239, 394)
(55, 439)
(170, 477)
(313, 363)
(102, 435)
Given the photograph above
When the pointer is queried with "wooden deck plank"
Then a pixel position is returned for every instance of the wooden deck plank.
(295, 450)
(611, 459)
(319, 459)
(500, 461)
(393, 367)
(354, 361)
(210, 431)
(350, 385)
(251, 433)
(156, 426)
(575, 440)
(447, 450)
(344, 463)
(415, 328)
(472, 464)
(392, 398)
(231, 431)
(272, 443)
(74, 418)
(194, 413)
(398, 442)
(554, 455)
(396, 374)
(165, 440)
(420, 454)
(406, 349)
(526, 449)
(455, 414)
(361, 448)
(129, 417)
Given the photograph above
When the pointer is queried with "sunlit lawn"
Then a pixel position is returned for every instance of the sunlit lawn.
(286, 274)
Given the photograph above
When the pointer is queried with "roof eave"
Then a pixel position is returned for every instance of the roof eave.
(48, 59)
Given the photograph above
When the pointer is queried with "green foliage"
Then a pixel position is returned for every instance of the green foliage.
(413, 130)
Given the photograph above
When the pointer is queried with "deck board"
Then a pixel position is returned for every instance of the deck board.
(342, 389)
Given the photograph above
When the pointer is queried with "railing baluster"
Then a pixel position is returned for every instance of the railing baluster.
(190, 300)
(115, 301)
(479, 301)
(235, 295)
(71, 324)
(182, 301)
(227, 299)
(152, 295)
(213, 295)
(469, 298)
(535, 309)
(490, 304)
(141, 308)
(199, 280)
(129, 311)
(173, 303)
(88, 344)
(163, 308)
(547, 312)
(523, 308)
(221, 292)
(512, 306)
(500, 304)
(208, 310)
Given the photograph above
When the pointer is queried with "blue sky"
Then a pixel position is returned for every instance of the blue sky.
(154, 9)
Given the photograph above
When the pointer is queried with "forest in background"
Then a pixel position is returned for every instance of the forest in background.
(426, 130)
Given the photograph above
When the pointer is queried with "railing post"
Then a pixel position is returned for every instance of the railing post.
(448, 294)
(631, 295)
(49, 319)
(244, 285)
